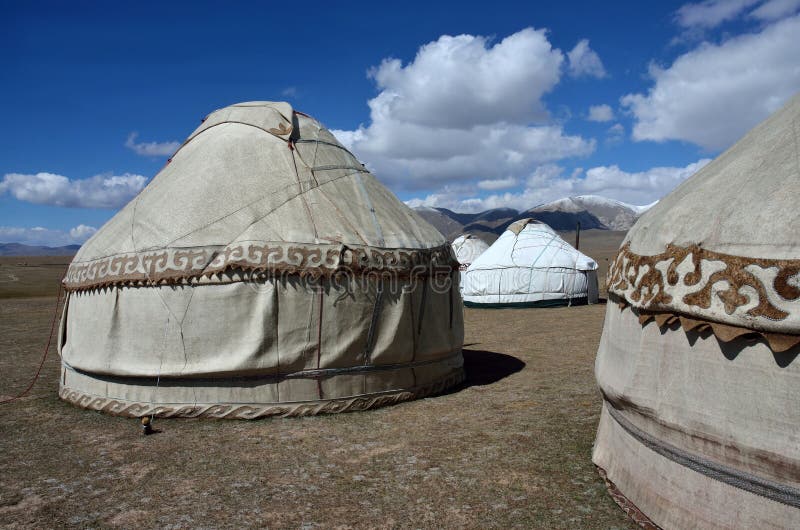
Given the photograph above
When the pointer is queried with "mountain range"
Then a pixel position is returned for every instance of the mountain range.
(591, 211)
(18, 249)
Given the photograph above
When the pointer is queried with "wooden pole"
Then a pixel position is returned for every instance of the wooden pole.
(578, 236)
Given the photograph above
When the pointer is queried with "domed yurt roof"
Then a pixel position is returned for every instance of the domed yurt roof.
(250, 278)
(729, 225)
(698, 360)
(467, 248)
(530, 265)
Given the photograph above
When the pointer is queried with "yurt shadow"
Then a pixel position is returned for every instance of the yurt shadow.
(783, 359)
(483, 368)
(731, 349)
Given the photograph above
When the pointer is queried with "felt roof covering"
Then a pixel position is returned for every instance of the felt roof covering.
(467, 248)
(258, 187)
(724, 246)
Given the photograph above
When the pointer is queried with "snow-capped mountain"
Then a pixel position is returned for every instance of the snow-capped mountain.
(611, 214)
(592, 211)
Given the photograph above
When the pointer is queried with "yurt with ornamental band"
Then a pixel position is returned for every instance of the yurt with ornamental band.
(698, 362)
(530, 266)
(263, 272)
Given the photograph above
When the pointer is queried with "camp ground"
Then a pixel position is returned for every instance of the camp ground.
(418, 265)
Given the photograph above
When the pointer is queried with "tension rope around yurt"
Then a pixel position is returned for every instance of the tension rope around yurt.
(530, 266)
(264, 271)
(698, 362)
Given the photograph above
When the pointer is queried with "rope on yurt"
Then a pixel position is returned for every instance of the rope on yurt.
(157, 289)
(373, 324)
(541, 253)
(302, 192)
(733, 477)
(46, 351)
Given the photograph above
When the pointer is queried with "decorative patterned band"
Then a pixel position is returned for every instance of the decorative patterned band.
(626, 504)
(778, 342)
(754, 293)
(168, 266)
(249, 411)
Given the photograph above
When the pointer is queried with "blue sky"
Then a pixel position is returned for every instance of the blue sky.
(455, 105)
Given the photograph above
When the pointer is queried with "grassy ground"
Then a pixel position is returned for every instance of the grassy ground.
(510, 448)
(29, 277)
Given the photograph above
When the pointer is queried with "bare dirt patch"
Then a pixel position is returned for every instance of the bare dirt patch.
(509, 449)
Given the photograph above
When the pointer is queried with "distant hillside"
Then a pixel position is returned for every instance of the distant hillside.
(610, 214)
(592, 211)
(441, 221)
(18, 249)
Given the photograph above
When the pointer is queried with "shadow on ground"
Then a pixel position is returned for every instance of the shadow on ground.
(486, 367)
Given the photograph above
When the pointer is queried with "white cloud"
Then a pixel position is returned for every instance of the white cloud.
(710, 13)
(44, 236)
(497, 184)
(153, 149)
(464, 109)
(289, 92)
(100, 191)
(583, 61)
(82, 232)
(600, 113)
(775, 9)
(548, 183)
(615, 134)
(712, 95)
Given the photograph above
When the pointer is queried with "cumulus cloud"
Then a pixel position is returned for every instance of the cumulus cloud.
(775, 9)
(710, 13)
(45, 236)
(583, 61)
(713, 94)
(100, 191)
(548, 182)
(82, 232)
(615, 134)
(600, 113)
(152, 149)
(464, 109)
(497, 184)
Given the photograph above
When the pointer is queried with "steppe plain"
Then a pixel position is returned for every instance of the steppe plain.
(510, 448)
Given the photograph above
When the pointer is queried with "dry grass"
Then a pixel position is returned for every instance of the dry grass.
(511, 448)
(33, 276)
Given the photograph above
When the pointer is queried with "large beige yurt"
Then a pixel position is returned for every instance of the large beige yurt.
(698, 362)
(264, 271)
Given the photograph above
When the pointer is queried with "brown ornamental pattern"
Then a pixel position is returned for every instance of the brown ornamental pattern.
(177, 265)
(655, 282)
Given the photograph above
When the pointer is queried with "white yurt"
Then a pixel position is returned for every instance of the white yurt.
(467, 248)
(698, 367)
(530, 266)
(264, 271)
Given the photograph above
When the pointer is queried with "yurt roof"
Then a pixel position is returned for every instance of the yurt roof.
(528, 239)
(724, 246)
(257, 187)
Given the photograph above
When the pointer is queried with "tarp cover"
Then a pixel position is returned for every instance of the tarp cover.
(530, 264)
(263, 271)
